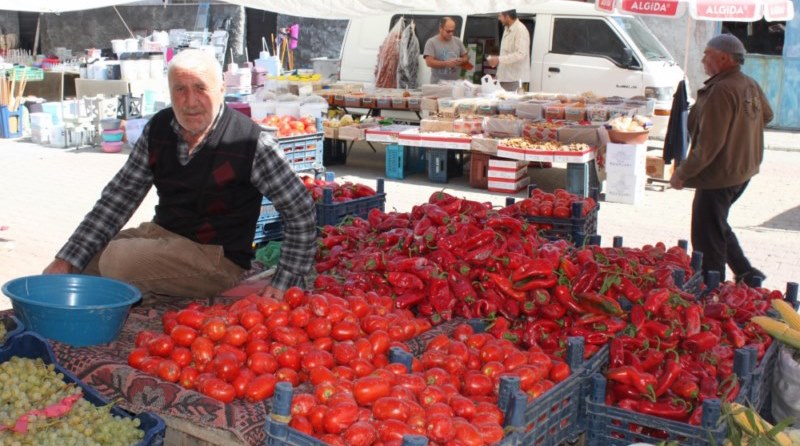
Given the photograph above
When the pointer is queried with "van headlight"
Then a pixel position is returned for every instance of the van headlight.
(659, 93)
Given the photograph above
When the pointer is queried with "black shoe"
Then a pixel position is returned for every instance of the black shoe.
(752, 278)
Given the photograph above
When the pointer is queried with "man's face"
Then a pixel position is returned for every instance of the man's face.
(447, 30)
(504, 19)
(714, 61)
(196, 97)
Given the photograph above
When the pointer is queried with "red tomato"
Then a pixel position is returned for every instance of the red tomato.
(415, 382)
(466, 433)
(290, 335)
(477, 384)
(182, 356)
(191, 318)
(320, 374)
(437, 376)
(289, 375)
(218, 389)
(325, 344)
(493, 370)
(336, 313)
(238, 353)
(315, 358)
(260, 388)
(390, 408)
(225, 366)
(492, 352)
(317, 417)
(431, 395)
(368, 389)
(340, 417)
(344, 372)
(277, 319)
(360, 433)
(301, 424)
(319, 327)
(463, 332)
(358, 306)
(161, 345)
(324, 391)
(137, 356)
(462, 407)
(380, 342)
(302, 403)
(150, 364)
(183, 335)
(261, 363)
(403, 393)
(344, 331)
(515, 359)
(393, 430)
(373, 323)
(344, 352)
(294, 296)
(256, 345)
(188, 377)
(490, 432)
(202, 350)
(259, 332)
(235, 335)
(242, 380)
(319, 305)
(144, 337)
(214, 329)
(361, 367)
(439, 409)
(559, 372)
(300, 317)
(251, 318)
(440, 428)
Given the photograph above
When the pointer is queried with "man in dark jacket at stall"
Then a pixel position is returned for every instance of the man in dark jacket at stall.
(726, 126)
(211, 166)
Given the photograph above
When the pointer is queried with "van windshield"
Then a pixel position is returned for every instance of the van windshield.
(648, 44)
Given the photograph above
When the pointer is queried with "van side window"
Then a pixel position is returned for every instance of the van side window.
(587, 37)
(427, 25)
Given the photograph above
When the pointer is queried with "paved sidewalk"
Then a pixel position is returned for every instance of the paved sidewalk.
(47, 191)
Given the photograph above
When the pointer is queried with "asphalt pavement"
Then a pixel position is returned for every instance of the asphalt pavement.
(45, 192)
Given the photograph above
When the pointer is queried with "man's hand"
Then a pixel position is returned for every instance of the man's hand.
(60, 266)
(675, 182)
(493, 61)
(271, 291)
(454, 63)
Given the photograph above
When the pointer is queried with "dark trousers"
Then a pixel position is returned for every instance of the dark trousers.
(711, 233)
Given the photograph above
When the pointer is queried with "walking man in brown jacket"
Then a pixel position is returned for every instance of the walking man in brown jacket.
(726, 126)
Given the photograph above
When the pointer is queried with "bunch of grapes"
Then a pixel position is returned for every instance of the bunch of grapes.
(27, 384)
(3, 332)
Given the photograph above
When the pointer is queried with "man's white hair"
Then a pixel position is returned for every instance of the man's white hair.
(196, 59)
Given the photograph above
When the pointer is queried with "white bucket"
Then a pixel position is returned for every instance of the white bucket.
(118, 46)
(131, 45)
(290, 108)
(260, 110)
(128, 69)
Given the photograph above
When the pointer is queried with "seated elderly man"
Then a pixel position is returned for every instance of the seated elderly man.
(211, 166)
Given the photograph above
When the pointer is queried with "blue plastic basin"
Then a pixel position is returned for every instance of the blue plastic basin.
(71, 308)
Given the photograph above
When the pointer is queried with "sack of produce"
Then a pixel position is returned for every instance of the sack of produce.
(786, 385)
(502, 126)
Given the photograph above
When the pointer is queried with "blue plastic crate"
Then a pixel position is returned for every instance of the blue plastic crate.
(303, 152)
(760, 382)
(613, 426)
(403, 161)
(444, 164)
(10, 120)
(32, 346)
(330, 213)
(13, 327)
(267, 230)
(575, 228)
(268, 211)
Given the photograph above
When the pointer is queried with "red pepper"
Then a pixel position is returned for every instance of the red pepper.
(708, 388)
(536, 283)
(629, 404)
(479, 256)
(597, 303)
(440, 197)
(482, 238)
(568, 269)
(644, 383)
(438, 216)
(504, 285)
(551, 311)
(529, 308)
(692, 314)
(735, 334)
(513, 260)
(534, 268)
(505, 223)
(461, 288)
(697, 416)
(616, 353)
(327, 265)
(540, 297)
(439, 293)
(653, 329)
(655, 299)
(712, 325)
(596, 338)
(409, 298)
(485, 309)
(586, 280)
(652, 359)
(729, 388)
(718, 311)
(563, 296)
(405, 281)
(611, 325)
(676, 410)
(701, 342)
(630, 291)
(671, 372)
(638, 317)
(686, 389)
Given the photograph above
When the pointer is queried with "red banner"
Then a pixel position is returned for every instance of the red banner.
(779, 11)
(665, 8)
(605, 5)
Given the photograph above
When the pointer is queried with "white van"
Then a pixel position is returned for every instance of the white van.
(574, 49)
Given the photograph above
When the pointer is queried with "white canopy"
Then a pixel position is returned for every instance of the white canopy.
(324, 9)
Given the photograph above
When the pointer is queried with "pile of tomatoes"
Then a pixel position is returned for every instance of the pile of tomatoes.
(341, 192)
(557, 204)
(449, 395)
(290, 125)
(244, 349)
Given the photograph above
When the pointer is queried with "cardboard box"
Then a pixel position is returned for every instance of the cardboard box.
(435, 125)
(506, 169)
(484, 144)
(593, 135)
(508, 185)
(331, 132)
(654, 166)
(627, 159)
(625, 188)
(353, 132)
(429, 104)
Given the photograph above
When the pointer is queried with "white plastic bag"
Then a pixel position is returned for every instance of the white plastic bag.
(786, 386)
(489, 85)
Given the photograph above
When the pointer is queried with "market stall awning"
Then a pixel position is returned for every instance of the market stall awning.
(718, 10)
(59, 6)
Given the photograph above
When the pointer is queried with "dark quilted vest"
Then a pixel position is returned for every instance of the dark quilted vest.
(209, 200)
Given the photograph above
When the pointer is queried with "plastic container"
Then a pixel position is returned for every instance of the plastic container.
(330, 213)
(260, 110)
(111, 147)
(444, 164)
(112, 135)
(304, 152)
(31, 346)
(403, 161)
(74, 309)
(13, 327)
(10, 122)
(628, 137)
(110, 123)
(577, 227)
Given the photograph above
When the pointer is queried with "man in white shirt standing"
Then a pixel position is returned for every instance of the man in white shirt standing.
(515, 53)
